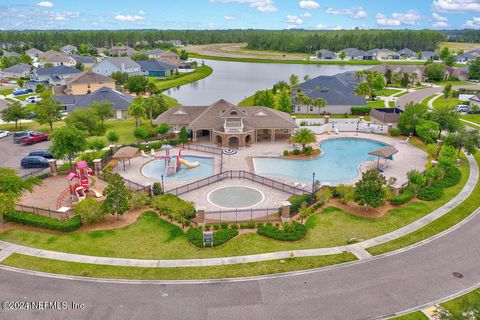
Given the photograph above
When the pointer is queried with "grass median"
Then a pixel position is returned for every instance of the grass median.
(183, 79)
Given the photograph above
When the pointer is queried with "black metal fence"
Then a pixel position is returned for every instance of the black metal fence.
(243, 215)
(130, 185)
(203, 148)
(237, 175)
(62, 216)
(41, 173)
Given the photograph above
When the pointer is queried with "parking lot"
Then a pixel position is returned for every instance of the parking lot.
(12, 153)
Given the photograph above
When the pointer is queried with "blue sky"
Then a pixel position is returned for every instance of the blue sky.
(229, 14)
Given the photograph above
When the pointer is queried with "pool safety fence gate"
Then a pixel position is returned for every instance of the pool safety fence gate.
(240, 174)
(243, 215)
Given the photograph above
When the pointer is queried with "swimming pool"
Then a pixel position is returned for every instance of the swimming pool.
(338, 164)
(236, 197)
(154, 169)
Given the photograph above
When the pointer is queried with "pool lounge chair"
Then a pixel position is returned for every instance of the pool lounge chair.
(152, 153)
(406, 140)
(143, 154)
(336, 131)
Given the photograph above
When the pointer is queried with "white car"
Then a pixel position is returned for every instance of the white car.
(4, 134)
(33, 99)
(12, 82)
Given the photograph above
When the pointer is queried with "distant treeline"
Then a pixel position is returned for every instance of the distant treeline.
(467, 35)
(286, 40)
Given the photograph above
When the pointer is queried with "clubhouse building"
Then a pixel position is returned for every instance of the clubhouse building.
(230, 126)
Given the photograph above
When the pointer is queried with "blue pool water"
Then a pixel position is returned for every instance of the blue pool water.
(156, 168)
(338, 164)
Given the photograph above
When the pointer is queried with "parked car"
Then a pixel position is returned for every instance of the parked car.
(463, 108)
(18, 136)
(41, 153)
(20, 91)
(34, 162)
(33, 99)
(12, 82)
(34, 137)
(4, 134)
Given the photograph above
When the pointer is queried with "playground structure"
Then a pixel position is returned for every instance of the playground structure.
(80, 183)
(173, 166)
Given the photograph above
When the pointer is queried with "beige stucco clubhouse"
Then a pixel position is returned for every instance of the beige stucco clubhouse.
(229, 126)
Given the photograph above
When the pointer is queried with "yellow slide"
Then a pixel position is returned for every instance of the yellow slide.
(189, 165)
(97, 194)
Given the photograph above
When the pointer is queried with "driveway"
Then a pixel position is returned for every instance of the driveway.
(12, 153)
(417, 96)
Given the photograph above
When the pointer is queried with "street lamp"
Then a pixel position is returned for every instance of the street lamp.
(313, 183)
(163, 186)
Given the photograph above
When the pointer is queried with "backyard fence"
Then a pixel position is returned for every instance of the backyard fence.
(45, 212)
(242, 215)
(41, 173)
(293, 190)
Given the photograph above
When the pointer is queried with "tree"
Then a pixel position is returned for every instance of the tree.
(474, 69)
(284, 102)
(11, 188)
(342, 55)
(409, 119)
(363, 89)
(79, 66)
(468, 139)
(67, 141)
(435, 71)
(447, 90)
(120, 77)
(141, 133)
(139, 56)
(117, 196)
(444, 53)
(15, 113)
(447, 119)
(264, 98)
(306, 77)
(304, 136)
(405, 80)
(40, 88)
(113, 137)
(104, 109)
(293, 80)
(48, 110)
(163, 129)
(369, 191)
(427, 130)
(137, 84)
(85, 119)
(90, 210)
(183, 136)
(388, 75)
(137, 109)
(450, 60)
(154, 106)
(319, 103)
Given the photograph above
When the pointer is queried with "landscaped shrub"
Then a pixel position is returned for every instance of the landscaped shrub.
(451, 177)
(395, 132)
(195, 236)
(296, 152)
(139, 200)
(174, 207)
(360, 110)
(97, 144)
(285, 153)
(90, 210)
(402, 198)
(36, 220)
(291, 231)
(308, 153)
(297, 201)
(248, 225)
(431, 193)
(90, 156)
(157, 189)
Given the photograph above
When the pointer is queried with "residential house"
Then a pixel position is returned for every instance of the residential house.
(469, 55)
(155, 53)
(87, 82)
(385, 115)
(337, 91)
(20, 70)
(176, 43)
(120, 101)
(406, 53)
(155, 68)
(229, 126)
(54, 75)
(69, 49)
(33, 53)
(86, 61)
(325, 54)
(355, 54)
(123, 64)
(386, 54)
(456, 72)
(474, 101)
(122, 51)
(8, 54)
(418, 70)
(101, 51)
(429, 55)
(170, 58)
(374, 52)
(56, 59)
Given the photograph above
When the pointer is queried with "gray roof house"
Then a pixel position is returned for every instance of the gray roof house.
(356, 54)
(33, 53)
(123, 64)
(429, 55)
(326, 54)
(155, 53)
(54, 75)
(20, 70)
(337, 91)
(469, 55)
(156, 68)
(11, 54)
(407, 53)
(69, 49)
(87, 61)
(120, 101)
(122, 51)
(387, 54)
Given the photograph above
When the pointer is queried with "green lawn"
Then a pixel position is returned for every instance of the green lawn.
(24, 97)
(418, 315)
(376, 104)
(448, 220)
(392, 104)
(332, 116)
(182, 79)
(427, 99)
(5, 92)
(401, 94)
(471, 117)
(228, 271)
(453, 83)
(451, 102)
(388, 92)
(463, 303)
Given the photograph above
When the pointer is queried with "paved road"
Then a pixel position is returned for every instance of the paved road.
(359, 291)
(417, 96)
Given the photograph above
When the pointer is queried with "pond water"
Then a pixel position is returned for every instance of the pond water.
(234, 81)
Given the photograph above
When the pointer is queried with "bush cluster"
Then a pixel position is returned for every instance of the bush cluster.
(195, 236)
(158, 144)
(174, 208)
(395, 132)
(297, 201)
(291, 231)
(36, 220)
(360, 110)
(451, 177)
(402, 198)
(430, 193)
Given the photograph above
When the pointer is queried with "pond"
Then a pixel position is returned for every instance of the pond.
(234, 81)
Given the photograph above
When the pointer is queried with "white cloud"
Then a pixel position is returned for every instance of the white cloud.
(229, 18)
(307, 15)
(439, 21)
(308, 4)
(473, 23)
(265, 6)
(354, 13)
(410, 18)
(438, 17)
(440, 24)
(326, 27)
(456, 6)
(129, 18)
(293, 20)
(45, 4)
(142, 12)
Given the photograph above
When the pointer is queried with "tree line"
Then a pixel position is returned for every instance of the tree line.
(284, 40)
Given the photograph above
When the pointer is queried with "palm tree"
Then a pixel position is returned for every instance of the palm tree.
(304, 136)
(319, 103)
(358, 75)
(137, 110)
(282, 86)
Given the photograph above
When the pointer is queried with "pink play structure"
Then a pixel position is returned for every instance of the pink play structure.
(173, 167)
(79, 184)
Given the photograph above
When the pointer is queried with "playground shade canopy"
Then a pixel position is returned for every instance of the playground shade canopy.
(125, 153)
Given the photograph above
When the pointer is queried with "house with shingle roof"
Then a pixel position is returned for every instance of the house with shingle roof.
(53, 75)
(120, 51)
(170, 58)
(401, 70)
(469, 55)
(155, 53)
(56, 58)
(86, 61)
(356, 54)
(33, 53)
(120, 101)
(228, 125)
(325, 54)
(20, 70)
(87, 82)
(155, 68)
(122, 64)
(406, 53)
(10, 54)
(69, 49)
(429, 55)
(337, 91)
(387, 54)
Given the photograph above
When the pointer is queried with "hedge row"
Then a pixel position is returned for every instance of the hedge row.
(430, 193)
(291, 231)
(297, 201)
(36, 220)
(402, 198)
(195, 236)
(452, 177)
(360, 110)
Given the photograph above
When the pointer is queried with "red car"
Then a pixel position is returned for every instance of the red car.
(34, 137)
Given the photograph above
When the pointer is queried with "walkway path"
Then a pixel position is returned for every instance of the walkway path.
(357, 249)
